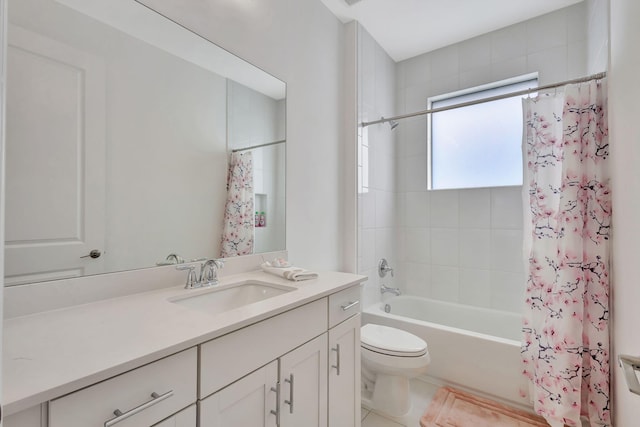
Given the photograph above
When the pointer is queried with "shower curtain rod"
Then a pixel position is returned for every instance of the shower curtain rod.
(483, 100)
(258, 146)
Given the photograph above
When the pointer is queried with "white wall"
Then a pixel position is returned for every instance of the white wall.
(465, 245)
(376, 165)
(300, 42)
(624, 111)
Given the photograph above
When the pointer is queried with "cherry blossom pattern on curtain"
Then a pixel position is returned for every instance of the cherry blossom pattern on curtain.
(565, 347)
(238, 229)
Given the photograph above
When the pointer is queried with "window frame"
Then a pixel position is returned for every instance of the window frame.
(488, 86)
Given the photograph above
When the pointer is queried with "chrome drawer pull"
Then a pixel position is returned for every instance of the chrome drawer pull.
(120, 416)
(349, 305)
(290, 402)
(276, 412)
(337, 365)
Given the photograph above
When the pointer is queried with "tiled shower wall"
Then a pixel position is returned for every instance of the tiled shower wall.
(456, 245)
(377, 210)
(466, 245)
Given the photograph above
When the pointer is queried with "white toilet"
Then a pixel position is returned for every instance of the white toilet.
(390, 358)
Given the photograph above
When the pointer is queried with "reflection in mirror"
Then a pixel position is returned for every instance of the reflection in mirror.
(116, 146)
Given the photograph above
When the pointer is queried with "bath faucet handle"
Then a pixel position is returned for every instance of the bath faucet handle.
(383, 268)
(192, 282)
(209, 272)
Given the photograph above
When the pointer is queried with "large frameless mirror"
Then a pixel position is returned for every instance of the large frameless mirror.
(120, 128)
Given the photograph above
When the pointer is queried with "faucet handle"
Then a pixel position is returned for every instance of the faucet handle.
(192, 281)
(383, 268)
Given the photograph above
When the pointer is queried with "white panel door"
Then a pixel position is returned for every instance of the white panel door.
(247, 402)
(303, 385)
(344, 373)
(55, 126)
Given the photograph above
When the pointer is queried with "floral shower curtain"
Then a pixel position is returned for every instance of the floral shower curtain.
(567, 228)
(237, 233)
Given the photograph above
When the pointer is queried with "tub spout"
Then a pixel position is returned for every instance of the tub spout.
(384, 289)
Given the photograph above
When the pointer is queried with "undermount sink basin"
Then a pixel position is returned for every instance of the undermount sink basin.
(216, 300)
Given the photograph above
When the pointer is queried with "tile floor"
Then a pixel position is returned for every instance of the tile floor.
(421, 395)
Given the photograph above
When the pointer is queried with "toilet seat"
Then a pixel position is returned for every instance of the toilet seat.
(391, 341)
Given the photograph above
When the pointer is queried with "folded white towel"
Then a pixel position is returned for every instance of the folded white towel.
(290, 273)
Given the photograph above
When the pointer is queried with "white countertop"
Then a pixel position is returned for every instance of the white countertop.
(53, 353)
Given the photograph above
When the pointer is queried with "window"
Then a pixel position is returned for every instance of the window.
(477, 145)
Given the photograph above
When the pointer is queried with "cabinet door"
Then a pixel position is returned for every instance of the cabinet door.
(344, 373)
(247, 402)
(303, 385)
(184, 418)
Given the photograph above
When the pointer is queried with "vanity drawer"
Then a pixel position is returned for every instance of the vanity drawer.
(232, 356)
(343, 305)
(173, 380)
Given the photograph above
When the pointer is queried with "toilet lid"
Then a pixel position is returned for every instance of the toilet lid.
(392, 341)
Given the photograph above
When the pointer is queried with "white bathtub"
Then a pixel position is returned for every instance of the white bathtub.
(470, 347)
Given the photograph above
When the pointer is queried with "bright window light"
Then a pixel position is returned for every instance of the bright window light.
(478, 145)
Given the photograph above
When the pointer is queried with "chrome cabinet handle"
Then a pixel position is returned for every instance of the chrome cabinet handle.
(349, 305)
(337, 365)
(120, 416)
(276, 412)
(290, 401)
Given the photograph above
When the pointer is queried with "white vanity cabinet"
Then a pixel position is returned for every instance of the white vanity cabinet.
(185, 418)
(143, 396)
(344, 358)
(303, 385)
(297, 368)
(250, 401)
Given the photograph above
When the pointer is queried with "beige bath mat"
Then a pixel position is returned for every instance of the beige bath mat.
(455, 408)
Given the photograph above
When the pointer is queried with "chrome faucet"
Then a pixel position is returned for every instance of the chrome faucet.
(383, 268)
(208, 273)
(174, 259)
(384, 289)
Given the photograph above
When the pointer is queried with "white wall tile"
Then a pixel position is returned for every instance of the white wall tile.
(445, 61)
(475, 208)
(507, 291)
(385, 208)
(417, 245)
(415, 173)
(367, 208)
(418, 281)
(476, 77)
(417, 209)
(508, 43)
(444, 84)
(385, 246)
(576, 22)
(577, 59)
(475, 287)
(415, 97)
(445, 246)
(506, 250)
(367, 249)
(551, 64)
(547, 31)
(475, 53)
(509, 68)
(475, 247)
(445, 283)
(417, 70)
(506, 207)
(412, 134)
(444, 208)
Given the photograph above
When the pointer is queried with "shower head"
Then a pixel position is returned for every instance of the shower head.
(392, 123)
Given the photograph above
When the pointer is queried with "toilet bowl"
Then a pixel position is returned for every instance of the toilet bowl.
(390, 358)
